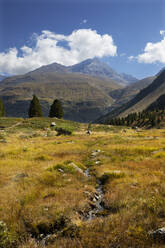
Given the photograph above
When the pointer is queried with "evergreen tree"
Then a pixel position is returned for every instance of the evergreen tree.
(56, 109)
(2, 109)
(35, 108)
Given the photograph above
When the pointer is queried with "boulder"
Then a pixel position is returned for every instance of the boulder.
(53, 124)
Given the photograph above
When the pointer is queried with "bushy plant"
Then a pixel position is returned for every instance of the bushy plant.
(6, 240)
(111, 175)
(63, 131)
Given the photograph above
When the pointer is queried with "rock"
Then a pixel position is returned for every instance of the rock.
(50, 238)
(87, 173)
(94, 153)
(76, 168)
(158, 235)
(20, 176)
(134, 184)
(89, 132)
(53, 124)
(87, 193)
(135, 127)
(97, 162)
(46, 208)
(97, 197)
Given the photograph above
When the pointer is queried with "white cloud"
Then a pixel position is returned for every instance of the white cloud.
(85, 21)
(131, 58)
(162, 32)
(153, 52)
(122, 54)
(81, 44)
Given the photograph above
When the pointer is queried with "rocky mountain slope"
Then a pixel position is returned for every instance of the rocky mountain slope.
(142, 100)
(127, 93)
(128, 78)
(93, 67)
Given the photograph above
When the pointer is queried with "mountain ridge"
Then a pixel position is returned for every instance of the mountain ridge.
(92, 67)
(84, 97)
(141, 101)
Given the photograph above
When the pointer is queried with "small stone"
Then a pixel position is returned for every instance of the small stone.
(94, 154)
(87, 193)
(134, 184)
(97, 162)
(158, 235)
(19, 176)
(53, 124)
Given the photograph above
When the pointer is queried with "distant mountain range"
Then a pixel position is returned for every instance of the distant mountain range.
(93, 67)
(84, 97)
(87, 91)
(147, 98)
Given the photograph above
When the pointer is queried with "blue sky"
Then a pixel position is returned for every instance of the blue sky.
(81, 26)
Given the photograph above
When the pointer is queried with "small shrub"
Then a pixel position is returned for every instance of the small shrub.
(63, 131)
(6, 239)
(48, 179)
(66, 168)
(111, 175)
(43, 157)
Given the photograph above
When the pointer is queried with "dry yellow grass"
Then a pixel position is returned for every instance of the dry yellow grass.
(37, 196)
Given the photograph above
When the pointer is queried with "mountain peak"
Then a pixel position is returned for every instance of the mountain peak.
(54, 67)
(94, 67)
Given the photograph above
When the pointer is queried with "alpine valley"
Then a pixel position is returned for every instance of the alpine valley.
(85, 89)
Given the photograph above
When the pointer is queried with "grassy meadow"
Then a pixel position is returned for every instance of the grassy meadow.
(43, 188)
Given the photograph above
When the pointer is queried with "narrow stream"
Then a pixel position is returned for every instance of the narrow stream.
(90, 215)
(97, 200)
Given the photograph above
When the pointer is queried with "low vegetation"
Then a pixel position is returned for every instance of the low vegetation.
(46, 191)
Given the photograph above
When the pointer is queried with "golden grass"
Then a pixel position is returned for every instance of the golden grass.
(34, 192)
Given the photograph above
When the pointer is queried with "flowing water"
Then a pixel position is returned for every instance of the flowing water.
(97, 200)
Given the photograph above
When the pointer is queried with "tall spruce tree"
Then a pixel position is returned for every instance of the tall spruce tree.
(2, 109)
(35, 108)
(56, 109)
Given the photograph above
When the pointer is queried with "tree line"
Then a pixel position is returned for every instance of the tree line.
(35, 109)
(146, 117)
